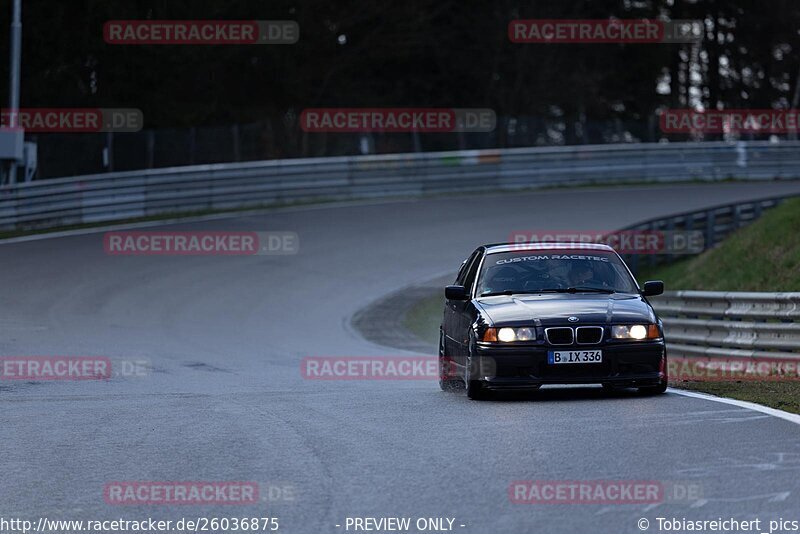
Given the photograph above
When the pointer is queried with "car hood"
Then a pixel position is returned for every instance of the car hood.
(554, 309)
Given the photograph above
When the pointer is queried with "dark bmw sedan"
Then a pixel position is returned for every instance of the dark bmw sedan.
(520, 316)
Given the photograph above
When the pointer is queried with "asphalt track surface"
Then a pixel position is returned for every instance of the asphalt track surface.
(225, 399)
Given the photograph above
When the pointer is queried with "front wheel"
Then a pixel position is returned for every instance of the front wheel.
(447, 379)
(475, 388)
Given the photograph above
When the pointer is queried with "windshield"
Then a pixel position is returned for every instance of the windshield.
(523, 272)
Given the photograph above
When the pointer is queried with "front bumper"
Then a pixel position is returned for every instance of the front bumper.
(629, 364)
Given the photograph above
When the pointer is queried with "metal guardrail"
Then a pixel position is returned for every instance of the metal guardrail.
(116, 196)
(731, 324)
(716, 223)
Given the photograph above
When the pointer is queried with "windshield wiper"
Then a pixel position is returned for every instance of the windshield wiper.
(579, 289)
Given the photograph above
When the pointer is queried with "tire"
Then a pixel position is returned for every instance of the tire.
(475, 389)
(446, 380)
(654, 390)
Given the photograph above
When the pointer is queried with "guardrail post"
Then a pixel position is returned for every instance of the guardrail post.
(110, 151)
(710, 222)
(757, 209)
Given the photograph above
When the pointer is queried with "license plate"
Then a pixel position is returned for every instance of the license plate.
(556, 357)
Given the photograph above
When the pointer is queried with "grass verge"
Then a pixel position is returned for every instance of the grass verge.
(424, 317)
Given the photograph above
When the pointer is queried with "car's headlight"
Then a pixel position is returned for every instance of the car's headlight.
(635, 331)
(509, 335)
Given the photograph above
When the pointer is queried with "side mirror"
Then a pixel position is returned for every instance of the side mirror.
(456, 293)
(653, 288)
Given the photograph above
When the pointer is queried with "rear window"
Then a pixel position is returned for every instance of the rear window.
(527, 271)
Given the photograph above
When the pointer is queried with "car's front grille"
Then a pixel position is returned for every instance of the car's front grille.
(589, 335)
(559, 336)
(582, 335)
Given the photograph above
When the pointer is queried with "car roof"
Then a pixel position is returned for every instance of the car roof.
(545, 245)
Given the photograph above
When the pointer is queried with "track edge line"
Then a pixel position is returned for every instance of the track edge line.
(774, 412)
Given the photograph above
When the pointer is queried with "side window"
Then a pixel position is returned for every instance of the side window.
(465, 268)
(473, 270)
